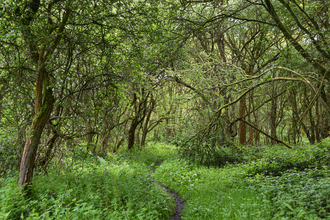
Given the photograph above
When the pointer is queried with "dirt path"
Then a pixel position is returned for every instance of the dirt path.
(178, 201)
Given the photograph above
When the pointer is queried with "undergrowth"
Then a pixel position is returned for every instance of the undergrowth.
(212, 193)
(116, 187)
(269, 182)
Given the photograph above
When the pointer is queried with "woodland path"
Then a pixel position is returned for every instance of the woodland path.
(178, 201)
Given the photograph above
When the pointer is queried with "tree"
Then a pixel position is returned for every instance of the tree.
(41, 53)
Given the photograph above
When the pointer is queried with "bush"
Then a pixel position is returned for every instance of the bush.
(278, 159)
(296, 194)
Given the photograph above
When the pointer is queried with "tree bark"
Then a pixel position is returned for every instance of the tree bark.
(140, 114)
(295, 131)
(145, 128)
(250, 120)
(43, 112)
(318, 122)
(47, 158)
(131, 133)
(242, 125)
(273, 112)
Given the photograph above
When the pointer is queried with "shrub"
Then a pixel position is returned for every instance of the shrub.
(278, 159)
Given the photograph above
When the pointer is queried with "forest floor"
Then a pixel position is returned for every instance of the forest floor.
(267, 182)
(179, 204)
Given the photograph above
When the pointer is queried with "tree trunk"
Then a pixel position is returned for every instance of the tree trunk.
(242, 125)
(47, 158)
(146, 123)
(43, 111)
(318, 123)
(131, 134)
(273, 111)
(294, 121)
(44, 100)
(312, 139)
(250, 120)
(140, 109)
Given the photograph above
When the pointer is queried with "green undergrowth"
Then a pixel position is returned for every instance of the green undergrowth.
(119, 186)
(271, 182)
(213, 193)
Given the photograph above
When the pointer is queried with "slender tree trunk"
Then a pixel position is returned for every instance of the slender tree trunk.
(318, 122)
(117, 145)
(311, 118)
(309, 132)
(242, 125)
(140, 113)
(273, 112)
(325, 126)
(168, 130)
(47, 158)
(250, 120)
(256, 133)
(131, 134)
(146, 123)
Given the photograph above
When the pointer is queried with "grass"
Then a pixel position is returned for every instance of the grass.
(270, 183)
(213, 193)
(267, 183)
(116, 187)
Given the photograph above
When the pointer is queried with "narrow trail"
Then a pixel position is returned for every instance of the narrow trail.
(178, 201)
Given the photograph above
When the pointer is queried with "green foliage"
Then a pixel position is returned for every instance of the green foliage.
(179, 176)
(148, 155)
(117, 187)
(297, 181)
(9, 161)
(122, 186)
(208, 148)
(271, 182)
(296, 194)
(278, 159)
(12, 202)
(213, 193)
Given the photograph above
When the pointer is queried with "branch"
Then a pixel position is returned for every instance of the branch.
(277, 140)
(309, 84)
(270, 8)
(218, 112)
(314, 98)
(311, 37)
(237, 119)
(176, 79)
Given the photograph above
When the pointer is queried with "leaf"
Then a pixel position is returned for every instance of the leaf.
(288, 206)
(301, 213)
